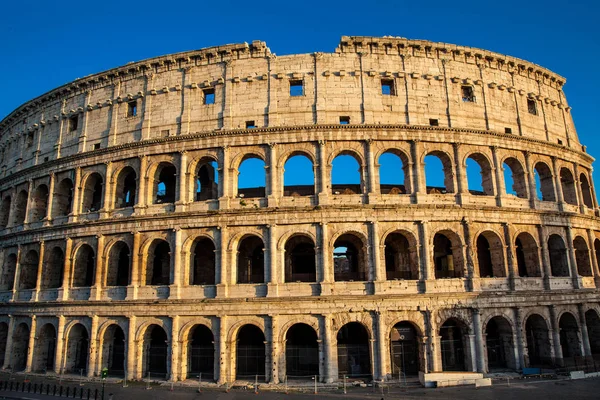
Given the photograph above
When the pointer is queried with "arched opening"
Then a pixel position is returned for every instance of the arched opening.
(582, 256)
(155, 352)
(592, 322)
(558, 256)
(203, 262)
(447, 257)
(251, 260)
(165, 179)
(52, 271)
(85, 263)
(158, 265)
(20, 208)
(544, 183)
(126, 187)
(3, 340)
(569, 338)
(113, 350)
(92, 193)
(394, 173)
(39, 204)
(20, 347)
(438, 173)
(298, 176)
(538, 341)
(349, 259)
(45, 349)
(62, 202)
(586, 191)
(400, 258)
(29, 269)
(301, 352)
(568, 186)
(499, 344)
(452, 337)
(207, 180)
(4, 211)
(250, 352)
(479, 175)
(201, 352)
(515, 182)
(405, 349)
(346, 174)
(252, 177)
(354, 357)
(119, 261)
(526, 250)
(300, 262)
(490, 255)
(76, 356)
(8, 272)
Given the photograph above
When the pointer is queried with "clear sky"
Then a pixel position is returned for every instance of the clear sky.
(46, 43)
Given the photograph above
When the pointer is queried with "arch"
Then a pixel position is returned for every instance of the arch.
(447, 255)
(5, 211)
(478, 164)
(490, 255)
(582, 256)
(158, 263)
(9, 269)
(114, 350)
(401, 257)
(251, 260)
(250, 352)
(201, 352)
(85, 266)
(515, 182)
(344, 179)
(206, 180)
(20, 347)
(592, 321)
(29, 269)
(406, 352)
(52, 271)
(527, 253)
(298, 175)
(544, 182)
(438, 164)
(165, 182)
(354, 356)
(44, 350)
(119, 264)
(569, 338)
(539, 349)
(300, 259)
(394, 172)
(155, 352)
(38, 207)
(3, 340)
(76, 356)
(568, 186)
(203, 262)
(586, 191)
(126, 187)
(453, 345)
(558, 256)
(499, 344)
(62, 202)
(252, 177)
(92, 193)
(20, 208)
(301, 351)
(349, 258)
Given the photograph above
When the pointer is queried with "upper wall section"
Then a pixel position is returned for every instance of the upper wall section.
(392, 81)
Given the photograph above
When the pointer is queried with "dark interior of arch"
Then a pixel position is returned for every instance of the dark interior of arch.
(568, 186)
(159, 263)
(9, 268)
(5, 211)
(592, 321)
(201, 352)
(207, 186)
(558, 256)
(301, 351)
(251, 260)
(85, 261)
(300, 262)
(3, 340)
(444, 258)
(114, 350)
(39, 203)
(405, 349)
(20, 208)
(119, 260)
(156, 344)
(499, 344)
(569, 338)
(92, 194)
(452, 346)
(44, 349)
(354, 357)
(538, 342)
(526, 250)
(52, 274)
(348, 259)
(20, 347)
(126, 188)
(203, 263)
(545, 183)
(166, 181)
(586, 191)
(77, 350)
(518, 182)
(250, 352)
(582, 257)
(29, 269)
(63, 198)
(400, 259)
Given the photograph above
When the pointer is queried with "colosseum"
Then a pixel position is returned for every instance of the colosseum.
(129, 241)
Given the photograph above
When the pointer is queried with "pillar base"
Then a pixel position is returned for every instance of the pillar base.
(222, 291)
(132, 292)
(326, 288)
(272, 290)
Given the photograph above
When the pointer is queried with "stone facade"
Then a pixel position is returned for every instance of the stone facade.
(127, 243)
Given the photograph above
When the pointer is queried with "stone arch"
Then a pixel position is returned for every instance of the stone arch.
(298, 174)
(499, 343)
(119, 264)
(401, 255)
(312, 322)
(29, 268)
(567, 182)
(20, 347)
(76, 355)
(38, 204)
(544, 182)
(301, 351)
(158, 263)
(126, 186)
(539, 349)
(586, 191)
(515, 174)
(155, 342)
(53, 268)
(84, 266)
(202, 261)
(558, 256)
(340, 167)
(490, 255)
(200, 352)
(164, 183)
(251, 176)
(250, 352)
(592, 322)
(300, 259)
(5, 211)
(405, 349)
(447, 171)
(9, 268)
(93, 190)
(353, 348)
(113, 349)
(485, 184)
(350, 257)
(447, 255)
(251, 260)
(400, 185)
(62, 202)
(454, 345)
(570, 341)
(582, 256)
(44, 350)
(20, 208)
(206, 179)
(527, 254)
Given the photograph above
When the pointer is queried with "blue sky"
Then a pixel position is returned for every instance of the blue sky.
(46, 43)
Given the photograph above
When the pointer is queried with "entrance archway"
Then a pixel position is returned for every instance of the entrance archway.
(3, 340)
(201, 352)
(156, 349)
(113, 350)
(45, 349)
(20, 347)
(354, 356)
(569, 338)
(77, 350)
(592, 321)
(499, 343)
(538, 341)
(405, 350)
(301, 352)
(452, 335)
(250, 352)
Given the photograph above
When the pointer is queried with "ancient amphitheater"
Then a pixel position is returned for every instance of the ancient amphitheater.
(127, 242)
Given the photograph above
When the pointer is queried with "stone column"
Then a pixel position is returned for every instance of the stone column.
(571, 259)
(181, 189)
(107, 200)
(133, 287)
(555, 334)
(60, 345)
(93, 351)
(470, 270)
(222, 355)
(578, 190)
(175, 349)
(558, 192)
(546, 271)
(378, 273)
(330, 346)
(530, 180)
(593, 256)
(77, 191)
(481, 364)
(142, 182)
(427, 268)
(585, 337)
(132, 372)
(461, 187)
(272, 191)
(498, 168)
(40, 268)
(373, 187)
(419, 188)
(273, 366)
(513, 268)
(9, 343)
(383, 347)
(96, 292)
(17, 277)
(28, 203)
(63, 292)
(436, 349)
(222, 270)
(175, 287)
(519, 338)
(48, 217)
(31, 343)
(225, 175)
(274, 276)
(324, 182)
(327, 275)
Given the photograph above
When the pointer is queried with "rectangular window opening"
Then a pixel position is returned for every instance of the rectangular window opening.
(433, 122)
(531, 107)
(296, 88)
(29, 141)
(250, 125)
(467, 94)
(96, 146)
(387, 87)
(209, 96)
(560, 142)
(507, 130)
(73, 122)
(46, 159)
(164, 133)
(132, 109)
(344, 120)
